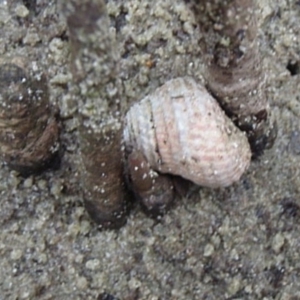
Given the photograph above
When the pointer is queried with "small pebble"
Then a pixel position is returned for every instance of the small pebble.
(42, 184)
(16, 254)
(234, 285)
(85, 227)
(21, 11)
(14, 179)
(278, 242)
(56, 188)
(42, 258)
(61, 79)
(79, 259)
(28, 182)
(82, 283)
(134, 283)
(93, 264)
(208, 250)
(31, 38)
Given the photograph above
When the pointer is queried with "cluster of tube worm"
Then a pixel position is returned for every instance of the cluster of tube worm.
(234, 77)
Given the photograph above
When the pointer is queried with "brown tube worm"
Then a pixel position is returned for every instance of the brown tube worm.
(155, 191)
(94, 65)
(234, 71)
(29, 130)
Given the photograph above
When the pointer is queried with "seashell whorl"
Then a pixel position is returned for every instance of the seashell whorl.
(181, 130)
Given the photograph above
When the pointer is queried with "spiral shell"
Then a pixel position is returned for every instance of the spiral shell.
(181, 130)
(28, 128)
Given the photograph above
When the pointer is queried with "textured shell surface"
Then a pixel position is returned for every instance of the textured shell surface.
(181, 129)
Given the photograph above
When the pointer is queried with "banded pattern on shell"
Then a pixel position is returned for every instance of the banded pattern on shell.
(181, 130)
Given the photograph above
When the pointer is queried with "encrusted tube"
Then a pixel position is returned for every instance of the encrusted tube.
(94, 65)
(29, 129)
(234, 70)
(155, 191)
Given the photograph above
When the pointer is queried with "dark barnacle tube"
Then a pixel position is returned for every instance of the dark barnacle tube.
(155, 191)
(97, 91)
(29, 130)
(234, 70)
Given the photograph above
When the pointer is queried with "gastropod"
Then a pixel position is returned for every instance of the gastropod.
(180, 129)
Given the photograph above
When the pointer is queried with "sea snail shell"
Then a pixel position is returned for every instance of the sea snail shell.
(181, 130)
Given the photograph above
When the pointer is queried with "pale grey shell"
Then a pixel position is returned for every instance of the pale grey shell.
(181, 130)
